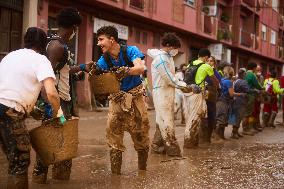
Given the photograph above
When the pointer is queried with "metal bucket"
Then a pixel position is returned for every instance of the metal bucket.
(53, 143)
(104, 84)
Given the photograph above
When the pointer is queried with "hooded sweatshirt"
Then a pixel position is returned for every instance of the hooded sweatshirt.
(163, 70)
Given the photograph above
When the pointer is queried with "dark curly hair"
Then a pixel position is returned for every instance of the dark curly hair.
(204, 52)
(68, 18)
(251, 65)
(109, 31)
(171, 40)
(35, 38)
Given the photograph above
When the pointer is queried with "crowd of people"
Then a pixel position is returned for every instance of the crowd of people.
(209, 96)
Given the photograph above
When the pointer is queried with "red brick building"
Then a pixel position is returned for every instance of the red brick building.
(236, 31)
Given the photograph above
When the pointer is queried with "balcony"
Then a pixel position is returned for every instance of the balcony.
(246, 38)
(208, 26)
(138, 4)
(281, 21)
(250, 3)
(281, 52)
(224, 31)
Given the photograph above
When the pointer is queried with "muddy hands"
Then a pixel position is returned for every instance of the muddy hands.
(120, 72)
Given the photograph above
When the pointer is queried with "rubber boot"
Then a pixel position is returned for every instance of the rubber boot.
(116, 161)
(142, 159)
(158, 143)
(272, 119)
(173, 149)
(235, 133)
(62, 170)
(204, 136)
(247, 127)
(239, 135)
(222, 132)
(18, 182)
(257, 125)
(265, 119)
(39, 172)
(219, 133)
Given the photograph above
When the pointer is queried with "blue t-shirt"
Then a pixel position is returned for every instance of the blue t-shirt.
(131, 81)
(225, 85)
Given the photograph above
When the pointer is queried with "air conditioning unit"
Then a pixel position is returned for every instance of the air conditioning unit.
(210, 10)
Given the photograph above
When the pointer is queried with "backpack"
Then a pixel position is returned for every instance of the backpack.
(269, 87)
(190, 73)
(123, 47)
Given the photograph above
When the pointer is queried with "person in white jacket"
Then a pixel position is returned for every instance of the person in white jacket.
(164, 84)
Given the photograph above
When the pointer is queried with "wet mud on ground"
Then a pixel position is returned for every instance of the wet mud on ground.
(252, 162)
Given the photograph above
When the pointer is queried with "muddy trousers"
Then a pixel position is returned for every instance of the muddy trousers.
(222, 116)
(239, 110)
(195, 111)
(164, 139)
(270, 111)
(16, 145)
(135, 122)
(208, 124)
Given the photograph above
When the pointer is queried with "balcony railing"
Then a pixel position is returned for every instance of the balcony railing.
(281, 21)
(224, 31)
(208, 26)
(139, 4)
(281, 52)
(246, 38)
(251, 3)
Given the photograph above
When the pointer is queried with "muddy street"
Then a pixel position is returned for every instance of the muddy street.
(251, 162)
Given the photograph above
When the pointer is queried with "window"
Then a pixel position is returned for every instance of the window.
(137, 4)
(189, 2)
(275, 5)
(137, 36)
(144, 38)
(156, 41)
(273, 37)
(263, 32)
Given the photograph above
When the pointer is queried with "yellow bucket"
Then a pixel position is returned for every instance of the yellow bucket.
(56, 143)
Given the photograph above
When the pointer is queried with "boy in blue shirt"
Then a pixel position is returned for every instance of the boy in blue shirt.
(127, 109)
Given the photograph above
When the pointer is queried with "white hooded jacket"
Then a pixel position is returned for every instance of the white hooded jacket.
(163, 70)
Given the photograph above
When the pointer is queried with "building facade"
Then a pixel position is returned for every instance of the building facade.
(235, 31)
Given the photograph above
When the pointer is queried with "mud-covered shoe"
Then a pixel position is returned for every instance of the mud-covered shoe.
(173, 150)
(62, 170)
(18, 182)
(116, 161)
(142, 159)
(190, 144)
(155, 149)
(39, 179)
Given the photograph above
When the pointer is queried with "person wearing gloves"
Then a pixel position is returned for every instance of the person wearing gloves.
(270, 108)
(239, 102)
(19, 90)
(57, 51)
(164, 84)
(248, 120)
(195, 104)
(127, 108)
(224, 103)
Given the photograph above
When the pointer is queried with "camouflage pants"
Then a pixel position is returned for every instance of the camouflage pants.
(15, 140)
(135, 121)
